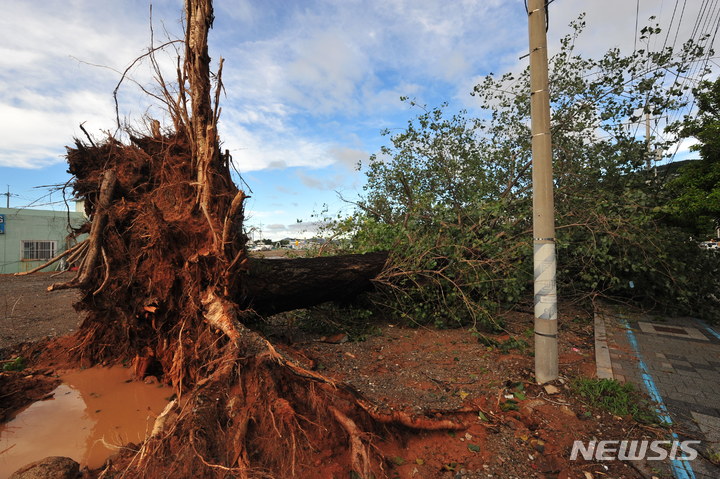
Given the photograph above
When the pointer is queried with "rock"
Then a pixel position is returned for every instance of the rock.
(551, 464)
(567, 411)
(565, 474)
(335, 338)
(550, 389)
(53, 467)
(538, 445)
(528, 408)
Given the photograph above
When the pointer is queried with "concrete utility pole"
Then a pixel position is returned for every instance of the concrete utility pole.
(544, 260)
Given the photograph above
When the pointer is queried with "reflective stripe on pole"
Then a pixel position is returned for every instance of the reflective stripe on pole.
(546, 341)
(545, 290)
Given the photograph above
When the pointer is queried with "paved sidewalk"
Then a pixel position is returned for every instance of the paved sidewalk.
(677, 362)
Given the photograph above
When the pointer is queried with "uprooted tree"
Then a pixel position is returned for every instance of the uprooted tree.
(165, 279)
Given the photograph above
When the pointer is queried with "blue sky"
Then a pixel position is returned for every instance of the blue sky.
(309, 84)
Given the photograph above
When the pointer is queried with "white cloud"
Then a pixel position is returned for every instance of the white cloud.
(353, 60)
(357, 58)
(258, 150)
(311, 181)
(34, 137)
(285, 190)
(238, 10)
(348, 157)
(278, 231)
(325, 73)
(454, 66)
(272, 143)
(683, 147)
(259, 214)
(322, 182)
(48, 83)
(309, 84)
(272, 116)
(386, 100)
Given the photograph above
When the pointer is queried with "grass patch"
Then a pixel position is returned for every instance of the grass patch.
(619, 399)
(713, 455)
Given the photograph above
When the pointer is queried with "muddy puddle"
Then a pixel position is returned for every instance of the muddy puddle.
(90, 414)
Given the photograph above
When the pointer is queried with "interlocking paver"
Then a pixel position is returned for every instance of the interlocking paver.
(681, 357)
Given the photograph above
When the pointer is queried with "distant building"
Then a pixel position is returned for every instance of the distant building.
(302, 243)
(294, 243)
(29, 238)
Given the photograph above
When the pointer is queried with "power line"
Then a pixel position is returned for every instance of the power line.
(712, 39)
(50, 203)
(671, 24)
(656, 38)
(705, 26)
(698, 19)
(677, 31)
(637, 17)
(705, 20)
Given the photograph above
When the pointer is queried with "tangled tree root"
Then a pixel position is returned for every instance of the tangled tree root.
(260, 415)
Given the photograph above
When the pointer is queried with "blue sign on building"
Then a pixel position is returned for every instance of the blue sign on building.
(2, 224)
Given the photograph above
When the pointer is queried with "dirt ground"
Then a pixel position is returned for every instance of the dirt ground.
(512, 427)
(28, 312)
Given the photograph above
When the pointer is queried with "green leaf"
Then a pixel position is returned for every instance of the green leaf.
(17, 364)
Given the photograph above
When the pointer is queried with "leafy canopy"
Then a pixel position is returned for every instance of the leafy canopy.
(695, 192)
(450, 196)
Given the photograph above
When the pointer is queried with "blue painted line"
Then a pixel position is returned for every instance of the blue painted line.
(708, 328)
(680, 469)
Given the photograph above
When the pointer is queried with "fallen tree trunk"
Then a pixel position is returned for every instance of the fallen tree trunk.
(276, 285)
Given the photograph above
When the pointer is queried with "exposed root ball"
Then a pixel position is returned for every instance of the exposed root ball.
(159, 276)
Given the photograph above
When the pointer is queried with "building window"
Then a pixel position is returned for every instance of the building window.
(38, 250)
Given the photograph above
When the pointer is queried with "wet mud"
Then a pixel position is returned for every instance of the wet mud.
(92, 414)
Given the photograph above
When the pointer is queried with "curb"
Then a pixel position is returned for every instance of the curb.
(603, 364)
